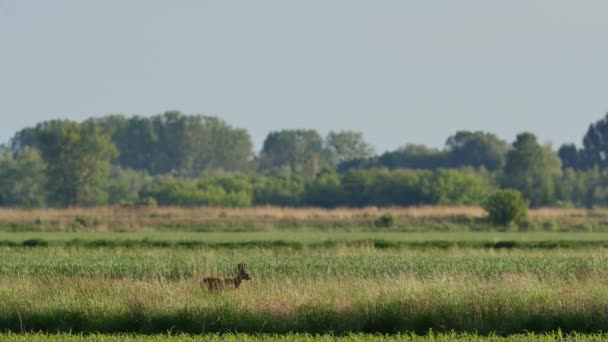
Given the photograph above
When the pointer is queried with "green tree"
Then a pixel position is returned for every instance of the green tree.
(300, 150)
(281, 191)
(229, 191)
(137, 141)
(78, 162)
(461, 187)
(595, 144)
(347, 145)
(415, 157)
(506, 206)
(22, 178)
(176, 143)
(384, 187)
(532, 169)
(570, 156)
(477, 149)
(215, 145)
(325, 190)
(124, 185)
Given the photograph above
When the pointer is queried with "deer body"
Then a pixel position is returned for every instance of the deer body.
(213, 283)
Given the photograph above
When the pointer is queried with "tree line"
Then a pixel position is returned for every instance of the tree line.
(178, 159)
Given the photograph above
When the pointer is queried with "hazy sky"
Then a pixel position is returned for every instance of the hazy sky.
(400, 71)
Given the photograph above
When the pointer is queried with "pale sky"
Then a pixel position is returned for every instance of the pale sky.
(400, 71)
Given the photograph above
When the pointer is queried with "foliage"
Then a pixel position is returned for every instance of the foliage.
(347, 145)
(124, 185)
(571, 157)
(532, 169)
(595, 145)
(77, 157)
(22, 179)
(170, 142)
(221, 191)
(464, 187)
(477, 149)
(280, 191)
(506, 206)
(177, 159)
(385, 220)
(414, 157)
(302, 151)
(325, 190)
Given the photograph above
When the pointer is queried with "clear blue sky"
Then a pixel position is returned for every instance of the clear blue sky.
(400, 71)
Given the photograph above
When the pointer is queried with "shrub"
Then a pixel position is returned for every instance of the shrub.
(35, 243)
(506, 206)
(149, 202)
(385, 221)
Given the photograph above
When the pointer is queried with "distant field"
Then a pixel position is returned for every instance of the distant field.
(308, 237)
(421, 219)
(308, 240)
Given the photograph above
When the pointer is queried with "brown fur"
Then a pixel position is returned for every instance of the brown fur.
(214, 284)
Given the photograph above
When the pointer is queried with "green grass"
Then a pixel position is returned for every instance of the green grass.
(182, 264)
(336, 283)
(147, 290)
(299, 240)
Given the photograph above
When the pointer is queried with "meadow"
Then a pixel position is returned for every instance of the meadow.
(312, 283)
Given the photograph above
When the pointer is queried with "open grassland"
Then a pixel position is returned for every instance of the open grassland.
(421, 219)
(336, 290)
(138, 270)
(432, 337)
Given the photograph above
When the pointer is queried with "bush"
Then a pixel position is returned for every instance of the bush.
(506, 206)
(149, 202)
(385, 221)
(84, 222)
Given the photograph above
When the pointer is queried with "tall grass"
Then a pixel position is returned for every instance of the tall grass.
(180, 264)
(332, 291)
(505, 305)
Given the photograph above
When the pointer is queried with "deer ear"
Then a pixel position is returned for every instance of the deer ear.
(240, 266)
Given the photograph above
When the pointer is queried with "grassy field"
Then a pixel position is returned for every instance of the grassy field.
(277, 264)
(149, 290)
(146, 280)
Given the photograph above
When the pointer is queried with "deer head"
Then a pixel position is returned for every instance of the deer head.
(243, 272)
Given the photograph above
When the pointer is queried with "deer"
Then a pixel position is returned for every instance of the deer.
(214, 284)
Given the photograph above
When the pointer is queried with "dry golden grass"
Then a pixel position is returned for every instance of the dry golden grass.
(108, 218)
(202, 215)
